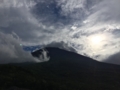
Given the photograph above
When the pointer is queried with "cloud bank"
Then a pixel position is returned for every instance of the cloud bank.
(114, 59)
(74, 22)
(11, 52)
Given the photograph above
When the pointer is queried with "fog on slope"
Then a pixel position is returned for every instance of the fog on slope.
(90, 27)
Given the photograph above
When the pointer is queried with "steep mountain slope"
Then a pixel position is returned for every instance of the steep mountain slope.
(66, 58)
(64, 71)
(76, 68)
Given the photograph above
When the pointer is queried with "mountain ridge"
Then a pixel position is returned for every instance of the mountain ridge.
(64, 71)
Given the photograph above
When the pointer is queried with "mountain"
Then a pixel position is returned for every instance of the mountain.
(61, 57)
(64, 71)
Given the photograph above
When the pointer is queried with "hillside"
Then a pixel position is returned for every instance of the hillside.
(64, 71)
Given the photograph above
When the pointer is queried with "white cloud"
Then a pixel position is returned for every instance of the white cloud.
(102, 19)
(11, 51)
(88, 18)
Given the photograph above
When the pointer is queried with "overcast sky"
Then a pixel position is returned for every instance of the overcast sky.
(90, 27)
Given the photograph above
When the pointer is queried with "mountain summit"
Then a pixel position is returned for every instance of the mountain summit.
(78, 71)
(57, 55)
(63, 71)
(62, 58)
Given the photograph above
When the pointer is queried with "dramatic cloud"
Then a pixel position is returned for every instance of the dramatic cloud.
(90, 27)
(61, 45)
(11, 52)
(114, 59)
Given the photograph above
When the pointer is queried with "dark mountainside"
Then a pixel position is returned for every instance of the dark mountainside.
(64, 71)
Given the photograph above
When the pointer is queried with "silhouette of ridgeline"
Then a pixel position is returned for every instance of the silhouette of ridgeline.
(63, 58)
(64, 71)
(79, 71)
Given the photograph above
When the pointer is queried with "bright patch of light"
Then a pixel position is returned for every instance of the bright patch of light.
(96, 39)
(96, 42)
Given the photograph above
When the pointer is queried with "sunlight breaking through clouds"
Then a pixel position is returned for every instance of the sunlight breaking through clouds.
(89, 26)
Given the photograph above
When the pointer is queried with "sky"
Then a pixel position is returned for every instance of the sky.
(89, 27)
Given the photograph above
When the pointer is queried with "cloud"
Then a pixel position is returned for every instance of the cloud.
(101, 19)
(62, 45)
(74, 22)
(11, 52)
(44, 56)
(114, 59)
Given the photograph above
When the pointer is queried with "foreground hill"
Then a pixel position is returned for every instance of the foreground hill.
(64, 71)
